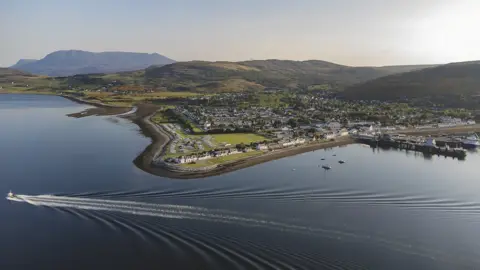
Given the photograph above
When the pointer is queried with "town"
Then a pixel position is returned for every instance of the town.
(210, 130)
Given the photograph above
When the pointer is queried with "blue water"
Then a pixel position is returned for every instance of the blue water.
(382, 209)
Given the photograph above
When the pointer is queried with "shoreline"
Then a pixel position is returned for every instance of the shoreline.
(96, 104)
(99, 108)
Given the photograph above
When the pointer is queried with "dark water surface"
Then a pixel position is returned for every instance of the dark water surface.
(380, 210)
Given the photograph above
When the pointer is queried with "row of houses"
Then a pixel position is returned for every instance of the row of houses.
(203, 156)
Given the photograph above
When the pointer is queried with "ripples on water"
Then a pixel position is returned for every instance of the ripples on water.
(112, 210)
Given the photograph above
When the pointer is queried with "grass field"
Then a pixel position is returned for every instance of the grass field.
(224, 159)
(237, 138)
(162, 118)
(112, 98)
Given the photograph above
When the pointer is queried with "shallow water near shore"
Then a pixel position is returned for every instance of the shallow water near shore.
(85, 205)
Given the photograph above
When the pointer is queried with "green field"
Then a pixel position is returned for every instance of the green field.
(224, 159)
(162, 118)
(130, 99)
(237, 138)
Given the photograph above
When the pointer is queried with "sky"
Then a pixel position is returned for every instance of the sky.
(349, 32)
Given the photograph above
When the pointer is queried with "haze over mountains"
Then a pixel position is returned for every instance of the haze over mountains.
(71, 62)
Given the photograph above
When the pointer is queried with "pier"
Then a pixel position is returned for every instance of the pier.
(446, 147)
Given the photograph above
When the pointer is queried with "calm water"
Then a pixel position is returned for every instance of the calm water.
(380, 210)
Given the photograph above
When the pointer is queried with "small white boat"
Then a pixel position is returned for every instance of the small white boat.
(293, 169)
(13, 197)
(326, 167)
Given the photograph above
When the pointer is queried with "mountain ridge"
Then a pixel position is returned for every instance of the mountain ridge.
(72, 62)
(287, 74)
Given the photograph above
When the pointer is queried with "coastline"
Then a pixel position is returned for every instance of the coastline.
(99, 108)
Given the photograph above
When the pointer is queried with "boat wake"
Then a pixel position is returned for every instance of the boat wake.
(170, 211)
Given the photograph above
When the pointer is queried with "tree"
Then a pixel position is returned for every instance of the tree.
(240, 146)
(292, 122)
(277, 123)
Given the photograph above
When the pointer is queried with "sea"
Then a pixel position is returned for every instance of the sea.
(85, 205)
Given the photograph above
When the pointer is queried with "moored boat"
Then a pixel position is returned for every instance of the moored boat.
(471, 141)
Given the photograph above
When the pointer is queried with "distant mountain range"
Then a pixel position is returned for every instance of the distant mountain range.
(71, 62)
(454, 84)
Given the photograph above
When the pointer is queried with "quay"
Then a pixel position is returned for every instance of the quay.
(448, 147)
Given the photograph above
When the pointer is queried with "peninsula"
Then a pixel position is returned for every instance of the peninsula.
(207, 118)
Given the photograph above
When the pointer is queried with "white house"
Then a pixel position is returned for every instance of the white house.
(294, 142)
(342, 132)
(329, 135)
(262, 147)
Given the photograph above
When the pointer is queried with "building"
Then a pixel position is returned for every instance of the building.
(262, 147)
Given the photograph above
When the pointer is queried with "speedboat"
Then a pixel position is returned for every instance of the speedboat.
(13, 197)
(326, 167)
(341, 161)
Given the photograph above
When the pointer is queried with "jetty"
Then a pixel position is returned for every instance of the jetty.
(449, 147)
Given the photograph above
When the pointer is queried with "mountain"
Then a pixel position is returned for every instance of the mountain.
(71, 62)
(22, 62)
(454, 84)
(261, 74)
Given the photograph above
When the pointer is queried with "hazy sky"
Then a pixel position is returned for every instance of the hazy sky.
(351, 32)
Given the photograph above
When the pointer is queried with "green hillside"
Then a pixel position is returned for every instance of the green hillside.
(455, 84)
(14, 80)
(261, 74)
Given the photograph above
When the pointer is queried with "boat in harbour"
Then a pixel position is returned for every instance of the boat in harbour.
(326, 167)
(471, 141)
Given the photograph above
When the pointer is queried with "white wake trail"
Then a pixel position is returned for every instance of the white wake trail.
(159, 210)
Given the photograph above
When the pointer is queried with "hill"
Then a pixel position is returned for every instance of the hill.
(8, 75)
(18, 81)
(71, 62)
(455, 84)
(23, 62)
(261, 74)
